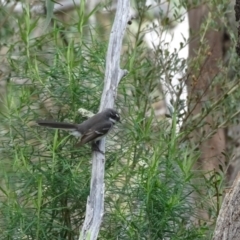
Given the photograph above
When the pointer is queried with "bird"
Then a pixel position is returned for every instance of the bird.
(91, 130)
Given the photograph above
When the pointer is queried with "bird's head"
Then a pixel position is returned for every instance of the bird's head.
(112, 115)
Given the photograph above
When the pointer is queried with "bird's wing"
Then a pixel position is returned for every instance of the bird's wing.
(96, 132)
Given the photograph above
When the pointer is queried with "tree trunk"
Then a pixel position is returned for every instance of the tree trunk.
(228, 222)
(201, 89)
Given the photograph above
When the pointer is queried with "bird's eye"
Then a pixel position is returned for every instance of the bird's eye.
(114, 115)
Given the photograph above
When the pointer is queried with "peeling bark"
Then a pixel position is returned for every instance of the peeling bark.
(228, 221)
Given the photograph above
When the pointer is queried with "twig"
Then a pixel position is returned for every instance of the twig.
(113, 75)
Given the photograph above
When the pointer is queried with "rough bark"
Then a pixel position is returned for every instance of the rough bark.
(228, 221)
(113, 75)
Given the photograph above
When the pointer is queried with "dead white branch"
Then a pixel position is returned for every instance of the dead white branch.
(228, 221)
(113, 75)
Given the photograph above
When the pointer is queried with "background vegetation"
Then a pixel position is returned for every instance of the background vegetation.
(152, 190)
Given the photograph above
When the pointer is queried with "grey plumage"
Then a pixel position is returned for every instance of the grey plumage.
(93, 129)
(52, 124)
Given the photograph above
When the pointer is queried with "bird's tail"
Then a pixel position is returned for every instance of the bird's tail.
(51, 124)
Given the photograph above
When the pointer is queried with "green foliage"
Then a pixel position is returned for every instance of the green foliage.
(155, 203)
(149, 180)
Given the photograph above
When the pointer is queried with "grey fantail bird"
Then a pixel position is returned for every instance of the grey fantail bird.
(91, 130)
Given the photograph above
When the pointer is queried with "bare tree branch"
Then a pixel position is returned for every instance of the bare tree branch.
(113, 75)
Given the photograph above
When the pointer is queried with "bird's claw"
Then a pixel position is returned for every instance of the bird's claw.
(95, 147)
